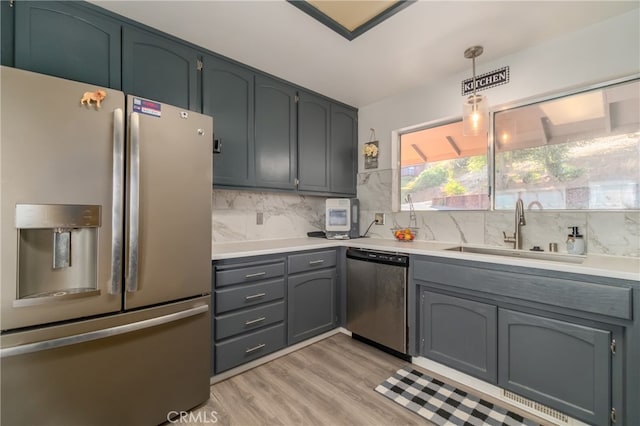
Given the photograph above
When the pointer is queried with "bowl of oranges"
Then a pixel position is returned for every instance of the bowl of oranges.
(405, 234)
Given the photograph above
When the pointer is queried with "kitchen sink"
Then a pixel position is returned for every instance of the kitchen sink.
(525, 254)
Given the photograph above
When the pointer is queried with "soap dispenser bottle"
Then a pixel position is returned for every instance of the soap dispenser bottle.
(575, 242)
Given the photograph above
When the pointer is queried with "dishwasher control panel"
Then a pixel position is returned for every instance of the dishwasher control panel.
(378, 256)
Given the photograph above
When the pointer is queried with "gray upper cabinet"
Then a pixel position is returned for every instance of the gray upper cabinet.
(275, 134)
(558, 363)
(269, 139)
(327, 144)
(160, 69)
(314, 115)
(6, 33)
(460, 333)
(66, 40)
(344, 145)
(227, 95)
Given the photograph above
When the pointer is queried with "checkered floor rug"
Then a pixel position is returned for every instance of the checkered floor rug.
(443, 404)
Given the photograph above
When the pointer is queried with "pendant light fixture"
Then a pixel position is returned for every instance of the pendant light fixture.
(475, 112)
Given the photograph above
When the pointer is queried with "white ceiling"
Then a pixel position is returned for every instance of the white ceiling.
(420, 44)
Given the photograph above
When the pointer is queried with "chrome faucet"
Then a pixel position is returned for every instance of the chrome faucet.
(520, 222)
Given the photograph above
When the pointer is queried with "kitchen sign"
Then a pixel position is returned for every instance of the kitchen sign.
(486, 80)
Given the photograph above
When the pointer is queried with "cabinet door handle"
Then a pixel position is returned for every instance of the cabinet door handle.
(257, 274)
(316, 262)
(255, 321)
(255, 296)
(255, 348)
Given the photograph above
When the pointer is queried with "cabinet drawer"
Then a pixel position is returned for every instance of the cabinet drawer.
(531, 285)
(310, 261)
(249, 319)
(239, 350)
(248, 274)
(232, 298)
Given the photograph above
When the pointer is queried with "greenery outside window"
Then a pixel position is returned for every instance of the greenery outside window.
(577, 152)
(443, 170)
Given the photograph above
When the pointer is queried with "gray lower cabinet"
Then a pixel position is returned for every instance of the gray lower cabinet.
(228, 325)
(229, 299)
(247, 347)
(561, 364)
(311, 295)
(311, 304)
(262, 304)
(249, 311)
(570, 342)
(459, 333)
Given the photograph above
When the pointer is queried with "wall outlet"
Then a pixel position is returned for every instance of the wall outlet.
(259, 218)
(379, 218)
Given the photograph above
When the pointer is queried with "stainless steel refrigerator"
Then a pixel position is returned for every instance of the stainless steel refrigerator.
(105, 254)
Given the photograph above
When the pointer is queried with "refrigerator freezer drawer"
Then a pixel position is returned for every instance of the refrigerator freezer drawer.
(137, 368)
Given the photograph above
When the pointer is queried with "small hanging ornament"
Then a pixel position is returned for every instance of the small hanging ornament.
(370, 151)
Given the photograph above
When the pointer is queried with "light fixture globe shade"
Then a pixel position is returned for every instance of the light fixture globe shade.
(475, 116)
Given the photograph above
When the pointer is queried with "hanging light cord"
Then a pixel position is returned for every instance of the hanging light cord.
(472, 53)
(473, 61)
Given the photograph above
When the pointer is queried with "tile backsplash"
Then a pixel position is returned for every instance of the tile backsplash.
(235, 215)
(610, 233)
(235, 218)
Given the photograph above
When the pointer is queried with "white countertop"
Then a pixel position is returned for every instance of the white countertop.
(608, 266)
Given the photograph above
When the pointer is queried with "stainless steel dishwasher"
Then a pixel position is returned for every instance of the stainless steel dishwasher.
(377, 298)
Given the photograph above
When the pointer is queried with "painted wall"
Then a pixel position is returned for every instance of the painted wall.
(604, 51)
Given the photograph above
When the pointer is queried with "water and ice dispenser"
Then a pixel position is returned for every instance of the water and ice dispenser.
(57, 251)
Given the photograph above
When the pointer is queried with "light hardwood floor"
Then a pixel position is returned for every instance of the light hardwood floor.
(328, 383)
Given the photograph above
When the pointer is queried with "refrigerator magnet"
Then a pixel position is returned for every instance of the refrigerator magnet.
(97, 97)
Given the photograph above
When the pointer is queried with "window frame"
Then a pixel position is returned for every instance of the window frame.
(397, 134)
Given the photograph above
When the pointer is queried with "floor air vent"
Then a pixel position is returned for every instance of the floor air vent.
(536, 406)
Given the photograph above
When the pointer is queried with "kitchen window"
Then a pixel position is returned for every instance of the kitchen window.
(443, 170)
(576, 152)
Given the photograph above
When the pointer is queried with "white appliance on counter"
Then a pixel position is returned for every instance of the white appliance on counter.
(341, 218)
(105, 208)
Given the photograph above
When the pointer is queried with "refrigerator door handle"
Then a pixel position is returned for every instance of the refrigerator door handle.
(117, 213)
(134, 201)
(101, 334)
